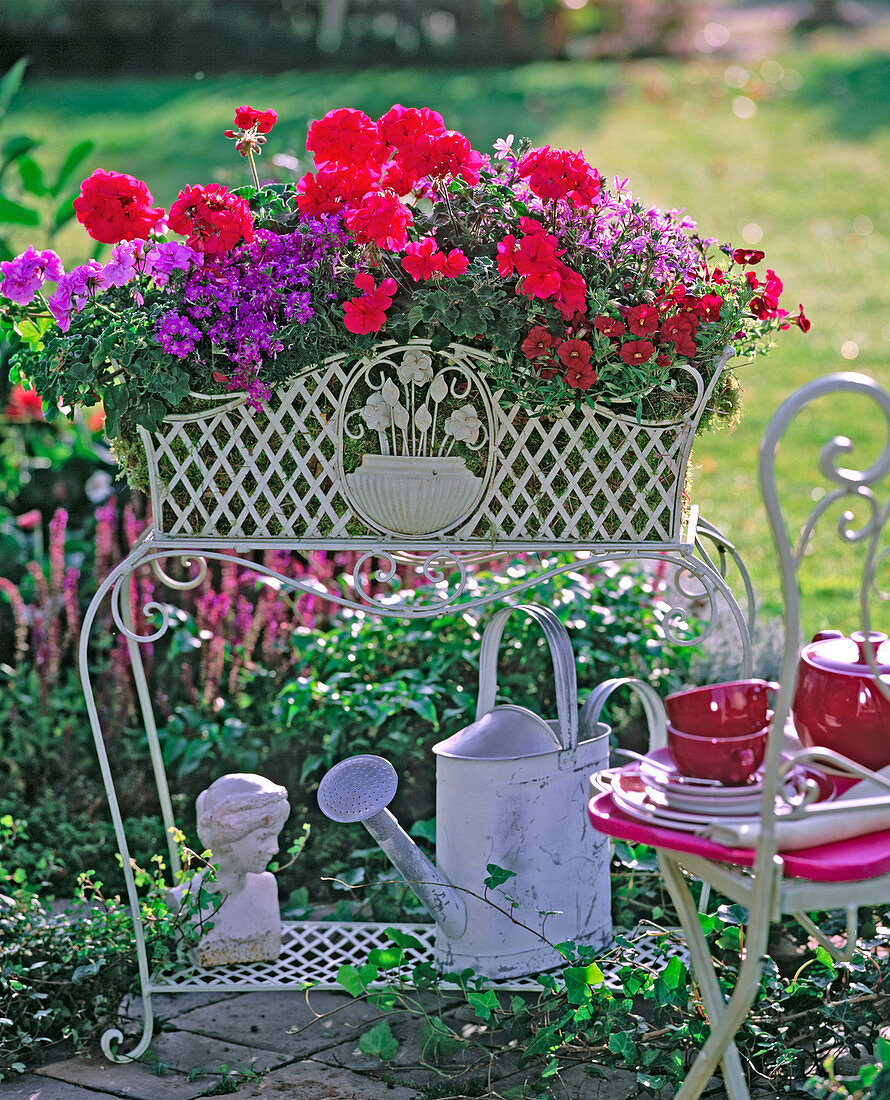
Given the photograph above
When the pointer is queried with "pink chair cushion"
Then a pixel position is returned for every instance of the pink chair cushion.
(853, 860)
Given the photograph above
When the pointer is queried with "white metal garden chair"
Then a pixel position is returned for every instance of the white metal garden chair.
(768, 879)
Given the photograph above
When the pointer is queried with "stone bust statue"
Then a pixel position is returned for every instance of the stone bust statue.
(239, 819)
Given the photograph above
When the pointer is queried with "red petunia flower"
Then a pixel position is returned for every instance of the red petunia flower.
(575, 353)
(580, 375)
(642, 319)
(609, 326)
(637, 351)
(537, 343)
(680, 331)
(803, 323)
(747, 257)
(213, 219)
(113, 206)
(709, 306)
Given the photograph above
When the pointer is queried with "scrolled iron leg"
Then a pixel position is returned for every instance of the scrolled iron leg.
(711, 995)
(114, 1036)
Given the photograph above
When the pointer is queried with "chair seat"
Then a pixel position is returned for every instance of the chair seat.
(853, 860)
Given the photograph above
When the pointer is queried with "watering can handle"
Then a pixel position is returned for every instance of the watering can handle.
(656, 718)
(563, 667)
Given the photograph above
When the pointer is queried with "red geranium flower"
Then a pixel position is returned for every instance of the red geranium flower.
(113, 206)
(538, 342)
(422, 259)
(443, 155)
(571, 298)
(367, 313)
(559, 174)
(454, 264)
(637, 351)
(380, 218)
(212, 217)
(402, 126)
(506, 256)
(346, 137)
(249, 117)
(332, 187)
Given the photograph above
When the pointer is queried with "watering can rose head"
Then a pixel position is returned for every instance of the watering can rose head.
(401, 230)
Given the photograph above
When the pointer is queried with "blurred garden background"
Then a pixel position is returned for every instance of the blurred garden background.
(769, 123)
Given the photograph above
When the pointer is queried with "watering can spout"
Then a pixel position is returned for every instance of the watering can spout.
(359, 789)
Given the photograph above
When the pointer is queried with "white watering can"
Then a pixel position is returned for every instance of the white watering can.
(511, 791)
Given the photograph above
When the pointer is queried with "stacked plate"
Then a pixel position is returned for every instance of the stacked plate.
(654, 791)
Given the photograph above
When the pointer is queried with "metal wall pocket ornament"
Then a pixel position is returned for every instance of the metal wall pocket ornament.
(412, 444)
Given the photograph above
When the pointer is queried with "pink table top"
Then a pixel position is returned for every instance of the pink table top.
(853, 860)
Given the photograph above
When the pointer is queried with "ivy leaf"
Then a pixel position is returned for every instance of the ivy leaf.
(386, 957)
(349, 977)
(379, 1041)
(403, 939)
(578, 981)
(497, 876)
(483, 1003)
(437, 1040)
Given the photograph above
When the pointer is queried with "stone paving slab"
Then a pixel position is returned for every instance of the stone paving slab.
(166, 1005)
(188, 1051)
(134, 1080)
(31, 1087)
(268, 1017)
(311, 1080)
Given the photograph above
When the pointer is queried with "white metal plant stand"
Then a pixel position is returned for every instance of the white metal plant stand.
(227, 480)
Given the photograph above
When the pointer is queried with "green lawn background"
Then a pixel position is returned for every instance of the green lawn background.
(795, 146)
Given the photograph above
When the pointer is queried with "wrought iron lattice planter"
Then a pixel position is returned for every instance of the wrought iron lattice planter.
(411, 443)
(314, 472)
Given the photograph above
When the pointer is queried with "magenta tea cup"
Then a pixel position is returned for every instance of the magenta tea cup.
(730, 760)
(730, 709)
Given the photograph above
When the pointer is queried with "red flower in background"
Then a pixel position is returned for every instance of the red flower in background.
(213, 219)
(249, 117)
(24, 404)
(113, 206)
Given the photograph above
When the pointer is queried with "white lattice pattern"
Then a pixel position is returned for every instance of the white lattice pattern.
(591, 477)
(313, 952)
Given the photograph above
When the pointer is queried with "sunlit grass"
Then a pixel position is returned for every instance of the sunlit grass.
(796, 149)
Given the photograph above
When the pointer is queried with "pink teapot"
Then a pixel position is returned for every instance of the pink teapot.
(838, 704)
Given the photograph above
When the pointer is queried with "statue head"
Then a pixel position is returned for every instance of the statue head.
(239, 819)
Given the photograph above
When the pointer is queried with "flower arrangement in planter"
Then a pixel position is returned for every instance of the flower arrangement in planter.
(551, 296)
